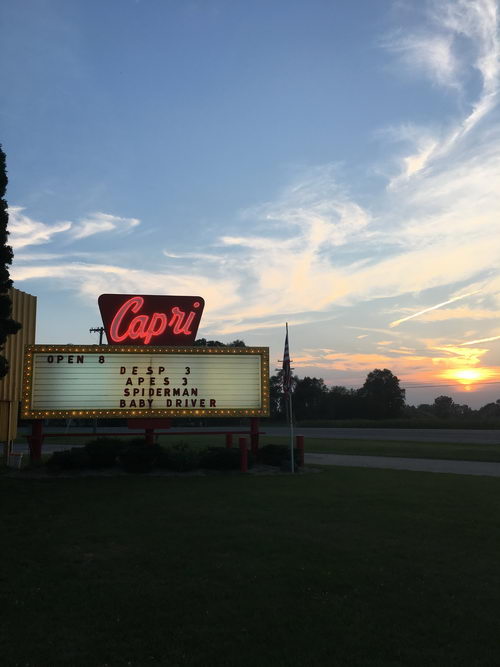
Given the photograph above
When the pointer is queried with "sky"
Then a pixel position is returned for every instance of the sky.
(333, 164)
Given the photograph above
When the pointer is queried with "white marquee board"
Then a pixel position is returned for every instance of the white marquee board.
(116, 381)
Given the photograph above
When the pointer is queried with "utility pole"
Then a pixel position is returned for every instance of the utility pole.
(100, 331)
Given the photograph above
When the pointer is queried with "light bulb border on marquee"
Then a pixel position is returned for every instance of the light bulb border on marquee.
(28, 413)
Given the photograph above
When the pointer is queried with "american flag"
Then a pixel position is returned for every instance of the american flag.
(287, 373)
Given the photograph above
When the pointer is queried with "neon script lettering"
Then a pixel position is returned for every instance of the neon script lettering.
(146, 327)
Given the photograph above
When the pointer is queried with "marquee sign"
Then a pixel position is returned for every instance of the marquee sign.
(150, 319)
(114, 381)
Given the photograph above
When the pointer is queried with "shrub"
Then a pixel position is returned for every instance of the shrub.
(180, 457)
(222, 458)
(277, 455)
(103, 452)
(138, 458)
(69, 459)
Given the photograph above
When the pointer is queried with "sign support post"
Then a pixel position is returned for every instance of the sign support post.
(35, 441)
(254, 436)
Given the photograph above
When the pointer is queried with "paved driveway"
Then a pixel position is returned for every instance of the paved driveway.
(399, 463)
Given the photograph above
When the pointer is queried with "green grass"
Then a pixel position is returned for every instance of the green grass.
(422, 450)
(346, 567)
(430, 450)
(408, 422)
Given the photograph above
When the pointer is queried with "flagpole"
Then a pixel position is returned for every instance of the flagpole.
(287, 380)
(291, 431)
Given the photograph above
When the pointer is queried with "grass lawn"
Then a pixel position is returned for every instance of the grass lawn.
(345, 567)
(418, 450)
(423, 450)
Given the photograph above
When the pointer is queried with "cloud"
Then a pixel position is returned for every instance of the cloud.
(97, 223)
(91, 280)
(405, 364)
(24, 231)
(316, 250)
(427, 310)
(432, 51)
(458, 356)
(460, 314)
(481, 340)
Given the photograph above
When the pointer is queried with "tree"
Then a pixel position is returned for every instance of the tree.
(203, 342)
(343, 403)
(444, 407)
(8, 326)
(490, 410)
(309, 398)
(382, 394)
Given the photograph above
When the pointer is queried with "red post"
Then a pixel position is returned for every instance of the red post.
(150, 436)
(300, 446)
(229, 440)
(35, 441)
(243, 455)
(254, 436)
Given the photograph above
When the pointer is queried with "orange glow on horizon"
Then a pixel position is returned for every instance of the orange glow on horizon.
(467, 377)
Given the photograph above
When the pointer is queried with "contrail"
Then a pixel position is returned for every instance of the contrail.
(426, 310)
(480, 340)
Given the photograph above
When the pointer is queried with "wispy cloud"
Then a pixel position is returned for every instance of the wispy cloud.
(457, 356)
(25, 231)
(97, 223)
(315, 250)
(481, 340)
(427, 310)
(432, 51)
(466, 314)
(91, 279)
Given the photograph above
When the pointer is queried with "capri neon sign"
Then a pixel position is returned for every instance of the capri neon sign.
(150, 320)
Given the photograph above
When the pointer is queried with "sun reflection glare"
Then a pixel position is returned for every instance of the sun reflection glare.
(468, 376)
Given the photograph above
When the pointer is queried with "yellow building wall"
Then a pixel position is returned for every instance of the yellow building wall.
(24, 311)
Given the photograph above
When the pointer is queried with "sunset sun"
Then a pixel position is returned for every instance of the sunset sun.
(468, 376)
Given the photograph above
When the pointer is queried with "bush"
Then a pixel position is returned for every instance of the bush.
(138, 458)
(69, 459)
(277, 455)
(180, 457)
(103, 452)
(222, 458)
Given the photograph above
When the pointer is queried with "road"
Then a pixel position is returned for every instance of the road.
(475, 437)
(470, 436)
(485, 469)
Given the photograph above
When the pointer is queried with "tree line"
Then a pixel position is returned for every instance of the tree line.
(380, 397)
